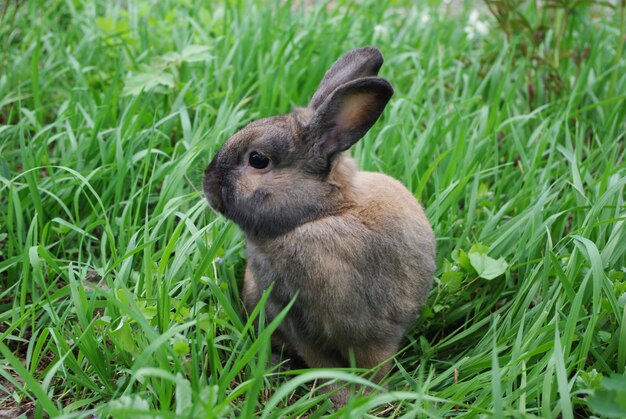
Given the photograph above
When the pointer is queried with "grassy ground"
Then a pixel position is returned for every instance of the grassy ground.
(119, 287)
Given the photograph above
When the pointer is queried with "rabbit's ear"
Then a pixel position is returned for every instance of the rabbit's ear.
(362, 62)
(347, 114)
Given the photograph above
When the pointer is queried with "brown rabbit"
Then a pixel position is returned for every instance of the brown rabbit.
(356, 246)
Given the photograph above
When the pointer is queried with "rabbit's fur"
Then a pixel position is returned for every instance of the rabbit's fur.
(355, 246)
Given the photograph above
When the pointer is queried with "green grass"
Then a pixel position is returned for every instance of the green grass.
(119, 286)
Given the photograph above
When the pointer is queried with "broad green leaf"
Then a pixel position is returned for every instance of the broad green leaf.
(122, 336)
(610, 400)
(140, 82)
(181, 347)
(591, 379)
(183, 395)
(479, 248)
(460, 257)
(487, 267)
(452, 280)
(149, 312)
(130, 403)
(191, 54)
(112, 26)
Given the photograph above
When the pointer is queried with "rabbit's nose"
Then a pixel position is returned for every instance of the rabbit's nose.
(212, 191)
(212, 186)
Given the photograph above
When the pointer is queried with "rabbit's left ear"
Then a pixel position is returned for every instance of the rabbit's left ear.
(347, 114)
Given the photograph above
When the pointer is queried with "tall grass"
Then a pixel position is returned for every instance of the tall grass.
(119, 286)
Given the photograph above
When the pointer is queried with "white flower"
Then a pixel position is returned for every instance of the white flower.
(473, 17)
(482, 28)
(380, 30)
(425, 18)
(471, 34)
(475, 27)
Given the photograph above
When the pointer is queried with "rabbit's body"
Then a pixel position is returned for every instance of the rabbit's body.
(354, 246)
(355, 288)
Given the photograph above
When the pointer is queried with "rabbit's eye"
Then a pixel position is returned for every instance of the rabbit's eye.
(258, 160)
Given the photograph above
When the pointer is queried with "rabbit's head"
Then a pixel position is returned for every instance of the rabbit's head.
(278, 173)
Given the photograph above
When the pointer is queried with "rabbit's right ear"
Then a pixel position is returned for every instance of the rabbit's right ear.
(356, 64)
(346, 115)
